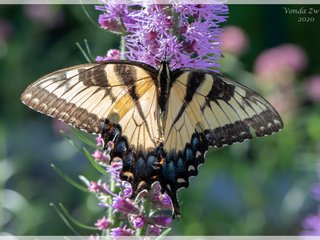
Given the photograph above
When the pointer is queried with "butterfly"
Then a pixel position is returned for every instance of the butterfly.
(161, 121)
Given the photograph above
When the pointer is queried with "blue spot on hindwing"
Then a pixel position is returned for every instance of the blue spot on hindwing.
(140, 168)
(151, 160)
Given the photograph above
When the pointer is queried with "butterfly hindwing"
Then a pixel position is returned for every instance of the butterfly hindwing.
(87, 95)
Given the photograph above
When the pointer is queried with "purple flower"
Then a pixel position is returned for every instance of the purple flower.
(112, 54)
(311, 225)
(99, 141)
(101, 156)
(99, 187)
(124, 205)
(127, 191)
(94, 186)
(153, 230)
(313, 88)
(112, 16)
(188, 35)
(102, 223)
(122, 231)
(234, 40)
(166, 200)
(283, 58)
(137, 221)
(159, 200)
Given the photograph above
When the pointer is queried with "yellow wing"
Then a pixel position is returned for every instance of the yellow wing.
(84, 96)
(223, 111)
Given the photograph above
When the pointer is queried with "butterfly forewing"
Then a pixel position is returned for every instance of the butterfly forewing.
(84, 96)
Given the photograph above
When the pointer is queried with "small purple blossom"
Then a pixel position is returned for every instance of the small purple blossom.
(124, 205)
(94, 186)
(121, 231)
(112, 16)
(102, 223)
(100, 156)
(127, 191)
(99, 141)
(100, 187)
(137, 221)
(112, 54)
(153, 230)
(166, 200)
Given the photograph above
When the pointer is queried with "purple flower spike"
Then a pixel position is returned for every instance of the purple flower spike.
(137, 222)
(124, 205)
(127, 192)
(121, 231)
(188, 35)
(102, 223)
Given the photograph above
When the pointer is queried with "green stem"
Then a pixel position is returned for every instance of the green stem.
(122, 42)
(122, 47)
(110, 214)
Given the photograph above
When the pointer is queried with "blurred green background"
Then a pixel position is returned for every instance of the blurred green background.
(261, 187)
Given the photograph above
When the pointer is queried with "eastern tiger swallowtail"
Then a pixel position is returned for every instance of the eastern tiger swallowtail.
(162, 121)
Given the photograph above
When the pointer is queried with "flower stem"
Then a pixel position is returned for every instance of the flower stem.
(110, 214)
(122, 47)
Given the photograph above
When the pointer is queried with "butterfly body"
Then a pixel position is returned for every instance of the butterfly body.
(161, 121)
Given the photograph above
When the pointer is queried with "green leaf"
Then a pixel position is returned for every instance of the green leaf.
(79, 135)
(88, 15)
(69, 180)
(73, 220)
(94, 163)
(83, 52)
(70, 140)
(64, 219)
(84, 180)
(165, 233)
